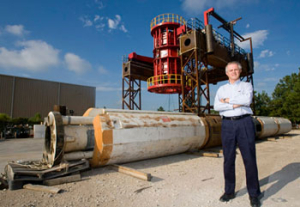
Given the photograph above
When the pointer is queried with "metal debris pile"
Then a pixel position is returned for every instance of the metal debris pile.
(17, 174)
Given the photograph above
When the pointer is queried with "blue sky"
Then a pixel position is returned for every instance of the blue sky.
(82, 42)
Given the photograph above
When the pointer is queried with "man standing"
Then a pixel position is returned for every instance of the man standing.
(233, 103)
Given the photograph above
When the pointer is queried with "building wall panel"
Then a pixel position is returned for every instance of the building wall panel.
(31, 96)
(6, 88)
(77, 98)
(34, 96)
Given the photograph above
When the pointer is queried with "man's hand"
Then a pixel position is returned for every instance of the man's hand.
(236, 106)
(224, 100)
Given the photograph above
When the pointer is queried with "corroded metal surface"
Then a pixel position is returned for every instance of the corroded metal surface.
(268, 126)
(54, 139)
(214, 126)
(124, 135)
(284, 125)
(120, 136)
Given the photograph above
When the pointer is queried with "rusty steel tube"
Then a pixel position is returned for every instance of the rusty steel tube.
(78, 155)
(109, 136)
(119, 136)
(77, 120)
(271, 126)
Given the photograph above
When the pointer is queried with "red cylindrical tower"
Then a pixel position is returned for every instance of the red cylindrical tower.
(167, 71)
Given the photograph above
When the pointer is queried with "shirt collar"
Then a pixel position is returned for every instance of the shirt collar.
(235, 83)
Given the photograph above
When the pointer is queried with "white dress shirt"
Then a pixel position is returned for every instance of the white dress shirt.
(239, 93)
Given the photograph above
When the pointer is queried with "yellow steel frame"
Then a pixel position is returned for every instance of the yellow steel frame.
(167, 18)
(164, 79)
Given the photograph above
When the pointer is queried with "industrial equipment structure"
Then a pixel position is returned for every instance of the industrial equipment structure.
(188, 56)
(138, 68)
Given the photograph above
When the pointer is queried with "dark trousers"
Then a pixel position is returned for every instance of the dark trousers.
(242, 133)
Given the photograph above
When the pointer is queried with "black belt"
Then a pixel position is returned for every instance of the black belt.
(235, 117)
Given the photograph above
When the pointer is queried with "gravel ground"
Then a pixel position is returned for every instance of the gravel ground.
(179, 180)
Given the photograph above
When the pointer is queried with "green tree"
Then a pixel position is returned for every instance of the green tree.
(286, 98)
(262, 104)
(4, 117)
(214, 112)
(36, 119)
(160, 109)
(4, 120)
(19, 121)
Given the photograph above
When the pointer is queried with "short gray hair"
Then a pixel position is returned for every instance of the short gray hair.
(234, 62)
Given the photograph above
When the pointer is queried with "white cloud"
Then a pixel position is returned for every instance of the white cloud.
(116, 24)
(265, 84)
(105, 89)
(77, 64)
(269, 69)
(288, 53)
(194, 6)
(261, 84)
(98, 18)
(100, 4)
(100, 27)
(271, 79)
(86, 21)
(198, 6)
(113, 24)
(247, 26)
(99, 24)
(123, 28)
(266, 53)
(17, 30)
(102, 70)
(264, 67)
(258, 39)
(35, 55)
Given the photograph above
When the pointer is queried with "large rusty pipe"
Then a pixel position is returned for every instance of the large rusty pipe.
(77, 120)
(284, 125)
(78, 155)
(119, 136)
(271, 126)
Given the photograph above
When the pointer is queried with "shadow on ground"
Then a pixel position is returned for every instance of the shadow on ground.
(279, 180)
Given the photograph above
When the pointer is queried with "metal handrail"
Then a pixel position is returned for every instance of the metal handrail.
(124, 58)
(163, 18)
(195, 24)
(226, 42)
(164, 79)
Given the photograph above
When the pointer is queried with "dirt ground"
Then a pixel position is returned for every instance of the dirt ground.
(179, 180)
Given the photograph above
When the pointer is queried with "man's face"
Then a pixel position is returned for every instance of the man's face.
(233, 72)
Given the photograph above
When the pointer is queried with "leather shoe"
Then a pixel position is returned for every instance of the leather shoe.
(227, 197)
(254, 201)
